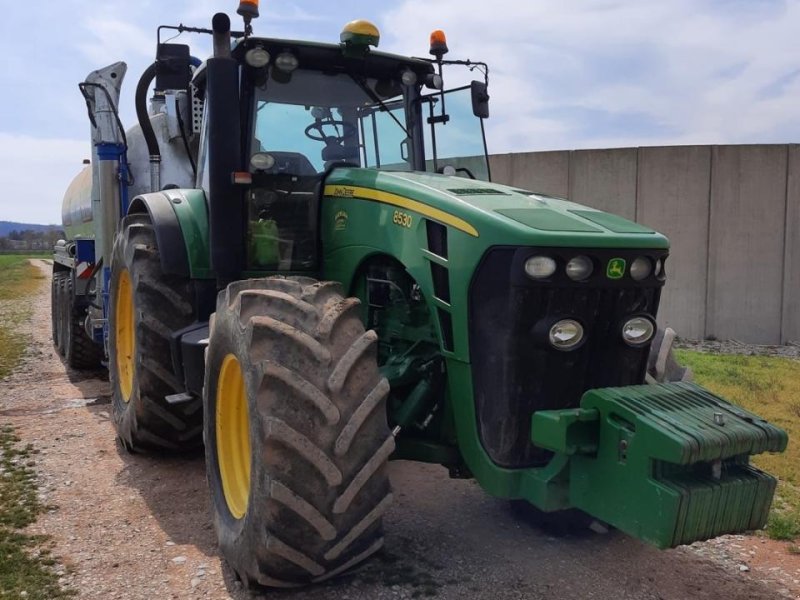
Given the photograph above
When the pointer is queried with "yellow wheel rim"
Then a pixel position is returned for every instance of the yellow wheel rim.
(233, 436)
(125, 334)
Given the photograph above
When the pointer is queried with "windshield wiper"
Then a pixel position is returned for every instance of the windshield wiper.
(374, 97)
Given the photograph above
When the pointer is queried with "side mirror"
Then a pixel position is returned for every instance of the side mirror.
(480, 100)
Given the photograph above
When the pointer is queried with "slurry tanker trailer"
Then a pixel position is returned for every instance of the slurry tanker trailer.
(297, 258)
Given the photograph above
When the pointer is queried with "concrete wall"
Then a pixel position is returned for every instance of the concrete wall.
(732, 214)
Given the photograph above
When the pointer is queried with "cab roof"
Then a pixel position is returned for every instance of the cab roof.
(322, 56)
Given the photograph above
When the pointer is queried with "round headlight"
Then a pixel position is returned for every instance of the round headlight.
(659, 267)
(540, 267)
(409, 77)
(579, 268)
(257, 57)
(641, 268)
(286, 62)
(566, 334)
(637, 331)
(261, 161)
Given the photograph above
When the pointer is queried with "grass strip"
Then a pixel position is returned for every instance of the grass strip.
(26, 566)
(20, 278)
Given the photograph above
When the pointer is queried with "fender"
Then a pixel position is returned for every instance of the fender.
(180, 220)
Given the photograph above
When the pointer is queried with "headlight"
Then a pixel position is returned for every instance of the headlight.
(261, 161)
(409, 77)
(641, 268)
(257, 57)
(659, 267)
(540, 267)
(566, 334)
(637, 331)
(286, 62)
(580, 268)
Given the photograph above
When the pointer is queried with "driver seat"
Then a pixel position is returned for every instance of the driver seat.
(334, 153)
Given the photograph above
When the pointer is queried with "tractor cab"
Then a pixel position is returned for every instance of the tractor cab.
(307, 108)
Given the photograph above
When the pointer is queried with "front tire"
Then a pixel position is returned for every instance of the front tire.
(296, 434)
(147, 306)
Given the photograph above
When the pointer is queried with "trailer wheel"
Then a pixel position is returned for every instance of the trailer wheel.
(61, 313)
(80, 351)
(146, 307)
(296, 433)
(55, 308)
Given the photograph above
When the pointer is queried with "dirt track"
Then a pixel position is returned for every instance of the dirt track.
(138, 527)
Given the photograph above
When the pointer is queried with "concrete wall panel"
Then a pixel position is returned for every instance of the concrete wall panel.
(605, 179)
(673, 195)
(746, 243)
(791, 269)
(542, 172)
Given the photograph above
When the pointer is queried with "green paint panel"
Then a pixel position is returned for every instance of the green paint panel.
(612, 222)
(547, 220)
(192, 212)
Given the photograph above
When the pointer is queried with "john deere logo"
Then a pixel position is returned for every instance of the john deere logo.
(616, 268)
(340, 221)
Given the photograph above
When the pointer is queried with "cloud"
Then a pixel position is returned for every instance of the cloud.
(35, 175)
(684, 71)
(109, 36)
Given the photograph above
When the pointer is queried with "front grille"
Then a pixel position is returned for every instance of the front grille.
(514, 369)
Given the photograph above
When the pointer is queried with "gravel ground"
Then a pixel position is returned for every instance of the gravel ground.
(138, 527)
(791, 350)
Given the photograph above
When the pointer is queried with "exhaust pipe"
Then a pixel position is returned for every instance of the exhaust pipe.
(226, 200)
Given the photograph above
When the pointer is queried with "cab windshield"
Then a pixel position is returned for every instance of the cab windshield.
(316, 119)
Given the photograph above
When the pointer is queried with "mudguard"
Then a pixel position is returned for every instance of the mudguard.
(180, 219)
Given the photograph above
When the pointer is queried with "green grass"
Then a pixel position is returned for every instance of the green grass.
(25, 561)
(20, 279)
(769, 387)
(19, 276)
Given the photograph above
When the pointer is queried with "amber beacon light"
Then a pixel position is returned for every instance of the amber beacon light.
(438, 44)
(248, 9)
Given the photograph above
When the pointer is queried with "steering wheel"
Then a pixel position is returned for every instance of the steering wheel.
(318, 128)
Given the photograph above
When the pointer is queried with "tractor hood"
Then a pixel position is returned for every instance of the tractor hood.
(490, 209)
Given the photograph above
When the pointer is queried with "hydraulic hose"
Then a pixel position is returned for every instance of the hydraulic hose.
(147, 128)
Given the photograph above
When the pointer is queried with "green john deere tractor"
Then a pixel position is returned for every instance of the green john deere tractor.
(340, 284)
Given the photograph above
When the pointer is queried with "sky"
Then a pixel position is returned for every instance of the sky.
(563, 75)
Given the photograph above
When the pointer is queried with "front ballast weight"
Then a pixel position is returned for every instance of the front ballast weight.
(666, 463)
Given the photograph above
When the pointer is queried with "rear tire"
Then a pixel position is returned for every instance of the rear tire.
(157, 305)
(80, 351)
(302, 499)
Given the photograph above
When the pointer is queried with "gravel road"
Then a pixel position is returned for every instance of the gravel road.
(138, 527)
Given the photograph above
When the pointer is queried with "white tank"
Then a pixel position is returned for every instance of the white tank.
(76, 210)
(176, 171)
